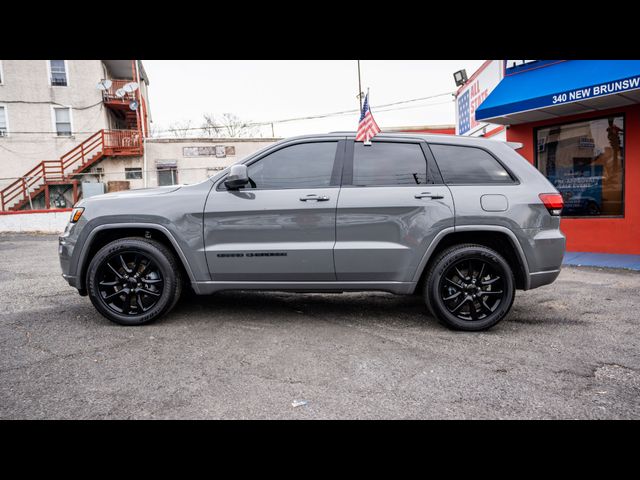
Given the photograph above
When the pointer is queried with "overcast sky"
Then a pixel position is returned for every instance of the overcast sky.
(265, 90)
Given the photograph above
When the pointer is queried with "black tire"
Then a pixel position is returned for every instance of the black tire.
(462, 294)
(143, 285)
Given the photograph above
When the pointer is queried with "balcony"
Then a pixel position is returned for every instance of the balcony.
(111, 99)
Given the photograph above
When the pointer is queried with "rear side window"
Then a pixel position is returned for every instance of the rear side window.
(388, 164)
(468, 165)
(297, 166)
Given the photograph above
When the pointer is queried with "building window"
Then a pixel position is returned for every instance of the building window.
(133, 173)
(167, 175)
(58, 72)
(3, 121)
(585, 162)
(62, 117)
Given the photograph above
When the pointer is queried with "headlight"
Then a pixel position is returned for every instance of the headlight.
(76, 213)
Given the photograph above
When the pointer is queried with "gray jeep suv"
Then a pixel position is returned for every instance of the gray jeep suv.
(462, 221)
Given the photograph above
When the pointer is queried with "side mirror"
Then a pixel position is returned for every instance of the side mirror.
(237, 177)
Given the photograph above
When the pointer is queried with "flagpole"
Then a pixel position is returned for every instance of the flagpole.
(359, 87)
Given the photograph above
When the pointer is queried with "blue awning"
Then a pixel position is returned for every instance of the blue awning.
(565, 88)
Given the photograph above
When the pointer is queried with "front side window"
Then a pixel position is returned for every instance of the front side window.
(389, 164)
(585, 162)
(63, 121)
(461, 165)
(58, 73)
(305, 165)
(3, 121)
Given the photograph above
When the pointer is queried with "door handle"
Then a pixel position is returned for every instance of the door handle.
(317, 198)
(428, 195)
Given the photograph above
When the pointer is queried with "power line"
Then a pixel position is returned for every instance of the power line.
(379, 108)
(28, 102)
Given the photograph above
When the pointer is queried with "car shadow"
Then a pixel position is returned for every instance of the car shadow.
(272, 306)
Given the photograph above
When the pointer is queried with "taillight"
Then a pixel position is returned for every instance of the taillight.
(553, 202)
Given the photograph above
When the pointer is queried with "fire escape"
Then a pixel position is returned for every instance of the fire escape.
(66, 170)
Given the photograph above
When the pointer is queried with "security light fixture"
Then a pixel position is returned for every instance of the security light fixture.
(460, 77)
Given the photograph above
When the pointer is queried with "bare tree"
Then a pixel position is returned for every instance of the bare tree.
(228, 125)
(179, 129)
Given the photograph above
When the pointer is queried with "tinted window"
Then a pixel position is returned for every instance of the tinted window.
(298, 166)
(468, 165)
(386, 163)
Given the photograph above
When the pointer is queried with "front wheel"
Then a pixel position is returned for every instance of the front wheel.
(132, 281)
(469, 287)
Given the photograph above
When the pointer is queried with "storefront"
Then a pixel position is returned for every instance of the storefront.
(579, 123)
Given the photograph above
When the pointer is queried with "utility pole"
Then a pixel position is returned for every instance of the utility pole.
(359, 87)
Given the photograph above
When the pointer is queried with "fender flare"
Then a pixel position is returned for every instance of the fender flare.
(84, 252)
(475, 228)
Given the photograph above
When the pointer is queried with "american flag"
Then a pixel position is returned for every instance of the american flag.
(367, 128)
(464, 117)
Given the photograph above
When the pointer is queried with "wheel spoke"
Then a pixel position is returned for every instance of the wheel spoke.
(149, 292)
(481, 270)
(139, 302)
(119, 292)
(491, 280)
(152, 280)
(114, 270)
(460, 304)
(491, 292)
(483, 302)
(109, 284)
(124, 264)
(462, 277)
(451, 297)
(145, 268)
(473, 311)
(453, 283)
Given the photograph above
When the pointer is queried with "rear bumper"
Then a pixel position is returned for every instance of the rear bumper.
(538, 279)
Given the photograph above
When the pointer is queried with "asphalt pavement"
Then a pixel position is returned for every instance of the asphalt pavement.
(568, 350)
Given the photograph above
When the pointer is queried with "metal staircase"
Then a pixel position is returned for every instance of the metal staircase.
(104, 143)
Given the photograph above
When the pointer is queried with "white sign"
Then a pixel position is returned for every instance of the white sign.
(472, 94)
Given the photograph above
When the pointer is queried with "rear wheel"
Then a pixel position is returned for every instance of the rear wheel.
(132, 281)
(469, 287)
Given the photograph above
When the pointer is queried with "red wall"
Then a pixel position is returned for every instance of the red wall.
(434, 130)
(608, 235)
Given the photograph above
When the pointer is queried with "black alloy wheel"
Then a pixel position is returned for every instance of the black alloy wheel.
(469, 287)
(134, 280)
(130, 283)
(472, 289)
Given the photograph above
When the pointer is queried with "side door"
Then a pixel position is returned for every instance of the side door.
(280, 227)
(392, 204)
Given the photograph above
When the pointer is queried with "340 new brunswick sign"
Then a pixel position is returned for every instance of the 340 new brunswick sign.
(608, 88)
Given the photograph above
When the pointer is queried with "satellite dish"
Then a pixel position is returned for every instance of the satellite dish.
(130, 87)
(120, 93)
(104, 85)
(133, 105)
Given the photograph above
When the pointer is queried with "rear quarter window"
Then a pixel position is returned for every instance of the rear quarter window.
(469, 165)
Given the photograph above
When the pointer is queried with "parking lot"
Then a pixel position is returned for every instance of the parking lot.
(569, 350)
